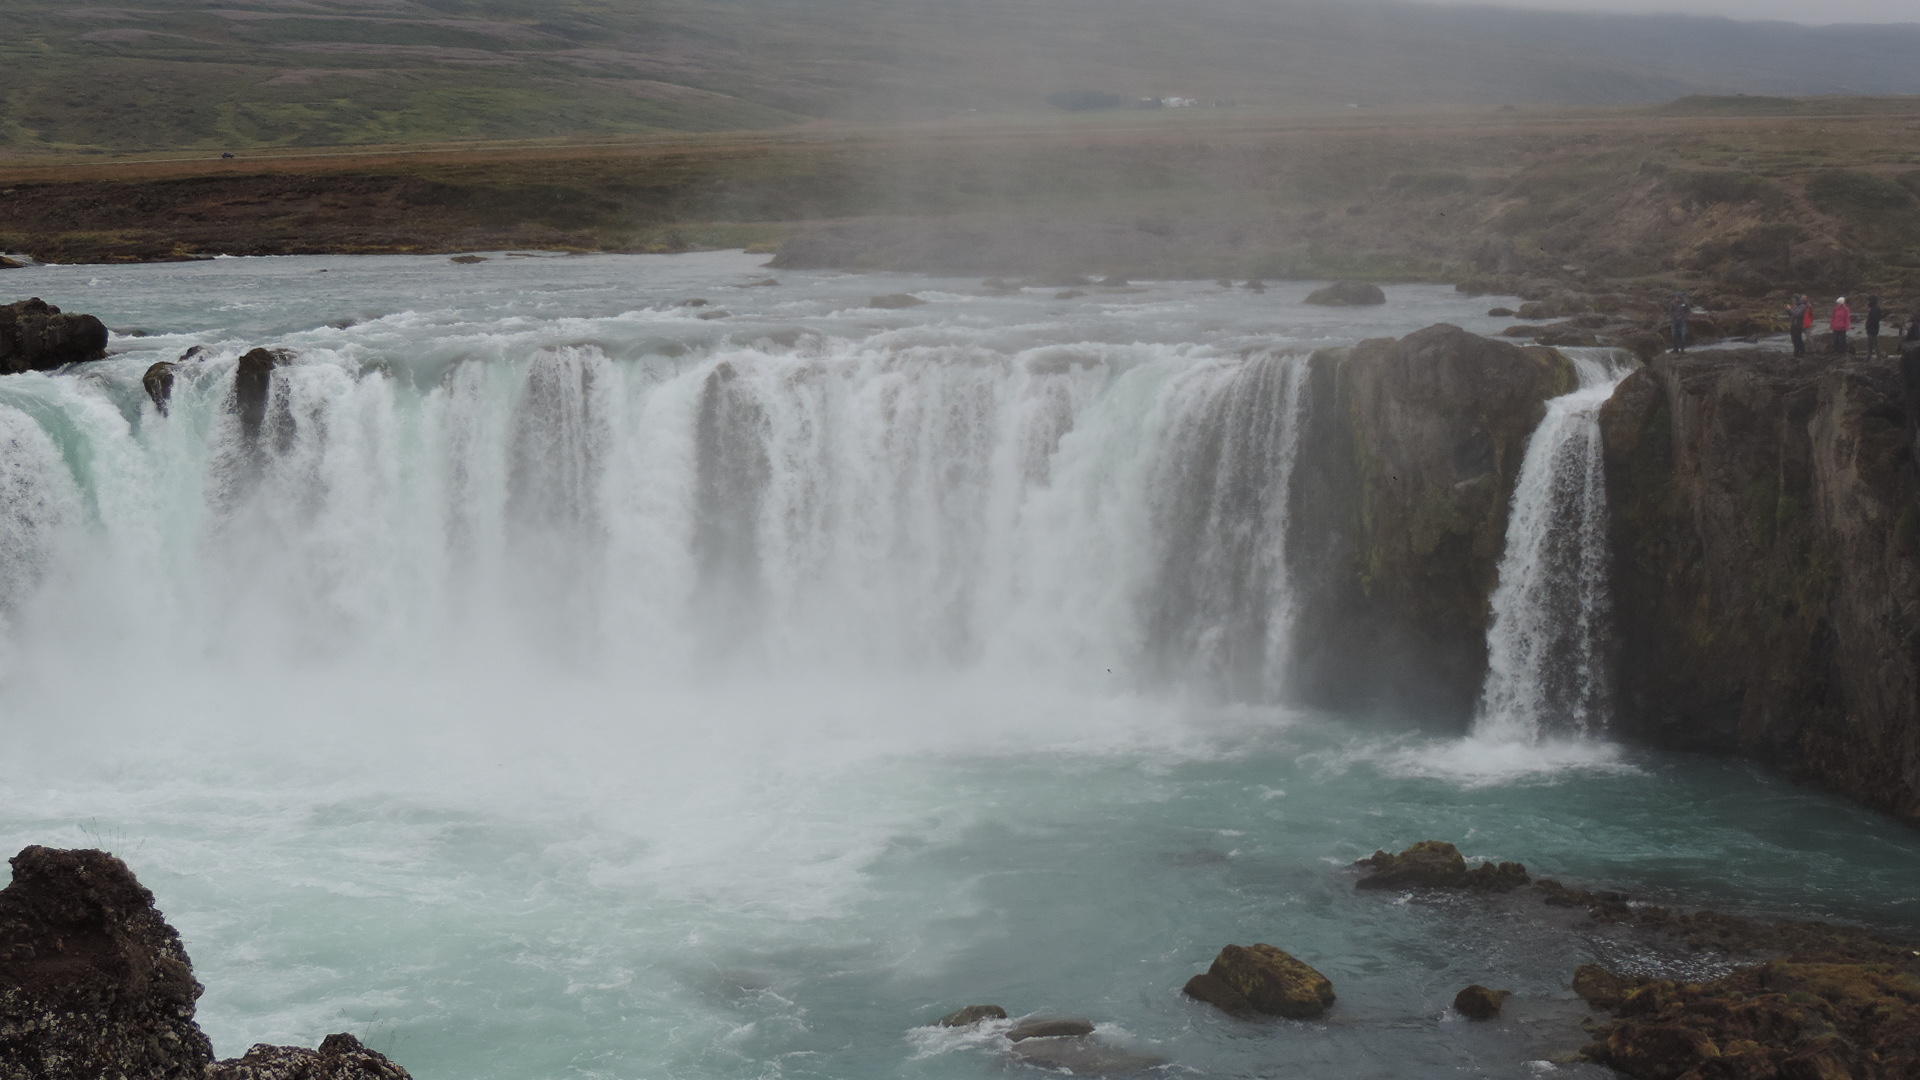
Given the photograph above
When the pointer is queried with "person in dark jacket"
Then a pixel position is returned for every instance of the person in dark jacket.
(1874, 315)
(1677, 311)
(1797, 323)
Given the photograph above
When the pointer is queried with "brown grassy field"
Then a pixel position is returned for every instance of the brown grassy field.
(1817, 195)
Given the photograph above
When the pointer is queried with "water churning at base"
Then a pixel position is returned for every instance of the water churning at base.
(1546, 646)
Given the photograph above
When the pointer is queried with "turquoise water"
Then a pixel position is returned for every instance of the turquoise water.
(407, 751)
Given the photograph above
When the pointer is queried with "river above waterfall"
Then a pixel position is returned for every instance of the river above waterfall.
(574, 681)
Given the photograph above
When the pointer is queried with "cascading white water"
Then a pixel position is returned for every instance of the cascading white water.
(1546, 657)
(845, 505)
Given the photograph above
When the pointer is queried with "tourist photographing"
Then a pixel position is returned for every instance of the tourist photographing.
(1797, 318)
(1842, 322)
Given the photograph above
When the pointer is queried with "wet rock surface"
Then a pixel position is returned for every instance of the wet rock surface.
(37, 336)
(340, 1057)
(95, 984)
(1406, 468)
(1435, 864)
(1082, 1056)
(1049, 1027)
(895, 300)
(973, 1014)
(1267, 980)
(1477, 1002)
(1765, 530)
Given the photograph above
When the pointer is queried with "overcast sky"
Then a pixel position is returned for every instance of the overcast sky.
(1803, 11)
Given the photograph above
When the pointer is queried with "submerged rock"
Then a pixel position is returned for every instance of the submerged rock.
(93, 982)
(1049, 1027)
(340, 1057)
(973, 1014)
(1348, 294)
(1476, 1002)
(1262, 979)
(1082, 1056)
(895, 300)
(37, 336)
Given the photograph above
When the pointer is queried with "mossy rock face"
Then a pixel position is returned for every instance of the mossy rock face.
(1273, 982)
(1811, 1017)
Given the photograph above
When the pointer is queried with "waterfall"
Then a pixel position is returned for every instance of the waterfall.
(1545, 647)
(1108, 514)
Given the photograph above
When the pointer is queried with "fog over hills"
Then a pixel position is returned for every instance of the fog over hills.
(161, 74)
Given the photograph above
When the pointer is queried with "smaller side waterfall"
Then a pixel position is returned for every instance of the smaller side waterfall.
(1545, 657)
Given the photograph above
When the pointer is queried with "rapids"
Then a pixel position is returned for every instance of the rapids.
(569, 685)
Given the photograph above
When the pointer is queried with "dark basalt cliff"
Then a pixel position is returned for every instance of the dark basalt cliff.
(36, 336)
(1399, 513)
(95, 984)
(1766, 543)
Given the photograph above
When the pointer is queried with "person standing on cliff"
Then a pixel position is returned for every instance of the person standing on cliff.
(1874, 314)
(1677, 311)
(1797, 323)
(1841, 323)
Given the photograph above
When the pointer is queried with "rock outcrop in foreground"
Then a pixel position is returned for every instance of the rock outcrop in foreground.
(95, 984)
(1766, 546)
(1261, 979)
(37, 336)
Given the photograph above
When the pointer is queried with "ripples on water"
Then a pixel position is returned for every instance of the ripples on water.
(574, 686)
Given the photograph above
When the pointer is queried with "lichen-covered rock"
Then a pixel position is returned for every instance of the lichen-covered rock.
(1347, 294)
(1601, 988)
(93, 982)
(1766, 565)
(1476, 1002)
(340, 1057)
(1272, 982)
(1788, 1018)
(1435, 864)
(1213, 990)
(37, 336)
(973, 1014)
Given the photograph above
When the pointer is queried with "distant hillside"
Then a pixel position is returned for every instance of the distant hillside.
(162, 74)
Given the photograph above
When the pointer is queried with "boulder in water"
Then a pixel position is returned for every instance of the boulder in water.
(895, 300)
(340, 1057)
(1476, 1002)
(1269, 980)
(1348, 294)
(973, 1014)
(1049, 1027)
(1219, 993)
(468, 260)
(252, 384)
(1435, 864)
(93, 982)
(37, 336)
(159, 383)
(11, 264)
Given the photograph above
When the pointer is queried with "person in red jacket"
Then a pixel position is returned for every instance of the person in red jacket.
(1842, 322)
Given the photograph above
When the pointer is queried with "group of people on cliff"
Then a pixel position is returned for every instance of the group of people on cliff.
(1800, 322)
(1800, 317)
